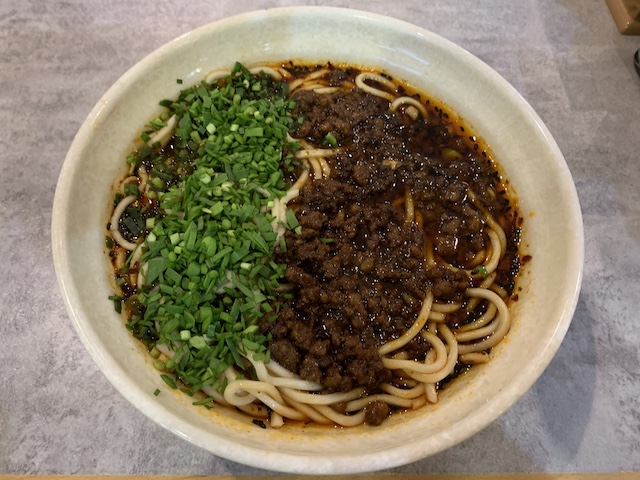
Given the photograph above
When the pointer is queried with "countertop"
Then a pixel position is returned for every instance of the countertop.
(58, 413)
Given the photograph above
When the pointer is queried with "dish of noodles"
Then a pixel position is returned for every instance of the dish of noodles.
(312, 244)
(317, 240)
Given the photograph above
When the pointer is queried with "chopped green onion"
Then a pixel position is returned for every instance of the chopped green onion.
(197, 342)
(158, 364)
(169, 381)
(330, 140)
(209, 275)
(291, 219)
(482, 271)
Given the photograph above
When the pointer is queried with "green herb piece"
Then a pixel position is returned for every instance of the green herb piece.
(155, 267)
(330, 140)
(209, 274)
(117, 303)
(481, 270)
(169, 381)
(292, 221)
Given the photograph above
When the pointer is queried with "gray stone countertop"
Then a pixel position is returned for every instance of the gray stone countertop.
(58, 413)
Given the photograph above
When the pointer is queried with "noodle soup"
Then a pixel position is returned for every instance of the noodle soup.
(312, 244)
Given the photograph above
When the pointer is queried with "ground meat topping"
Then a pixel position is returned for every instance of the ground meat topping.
(357, 270)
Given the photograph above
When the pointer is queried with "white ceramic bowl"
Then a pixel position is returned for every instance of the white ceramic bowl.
(519, 140)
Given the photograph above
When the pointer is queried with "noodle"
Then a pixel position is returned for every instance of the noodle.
(413, 103)
(413, 331)
(363, 77)
(443, 332)
(115, 219)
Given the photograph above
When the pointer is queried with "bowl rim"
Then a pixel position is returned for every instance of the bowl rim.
(276, 460)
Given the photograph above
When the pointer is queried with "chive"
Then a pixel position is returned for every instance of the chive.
(164, 288)
(254, 132)
(155, 267)
(291, 219)
(158, 364)
(156, 123)
(144, 151)
(330, 140)
(234, 351)
(253, 346)
(169, 381)
(157, 392)
(204, 401)
(209, 248)
(173, 276)
(117, 302)
(481, 270)
(252, 329)
(197, 342)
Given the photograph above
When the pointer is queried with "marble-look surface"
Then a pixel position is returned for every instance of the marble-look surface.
(59, 415)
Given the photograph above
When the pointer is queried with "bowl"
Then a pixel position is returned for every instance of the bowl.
(552, 233)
